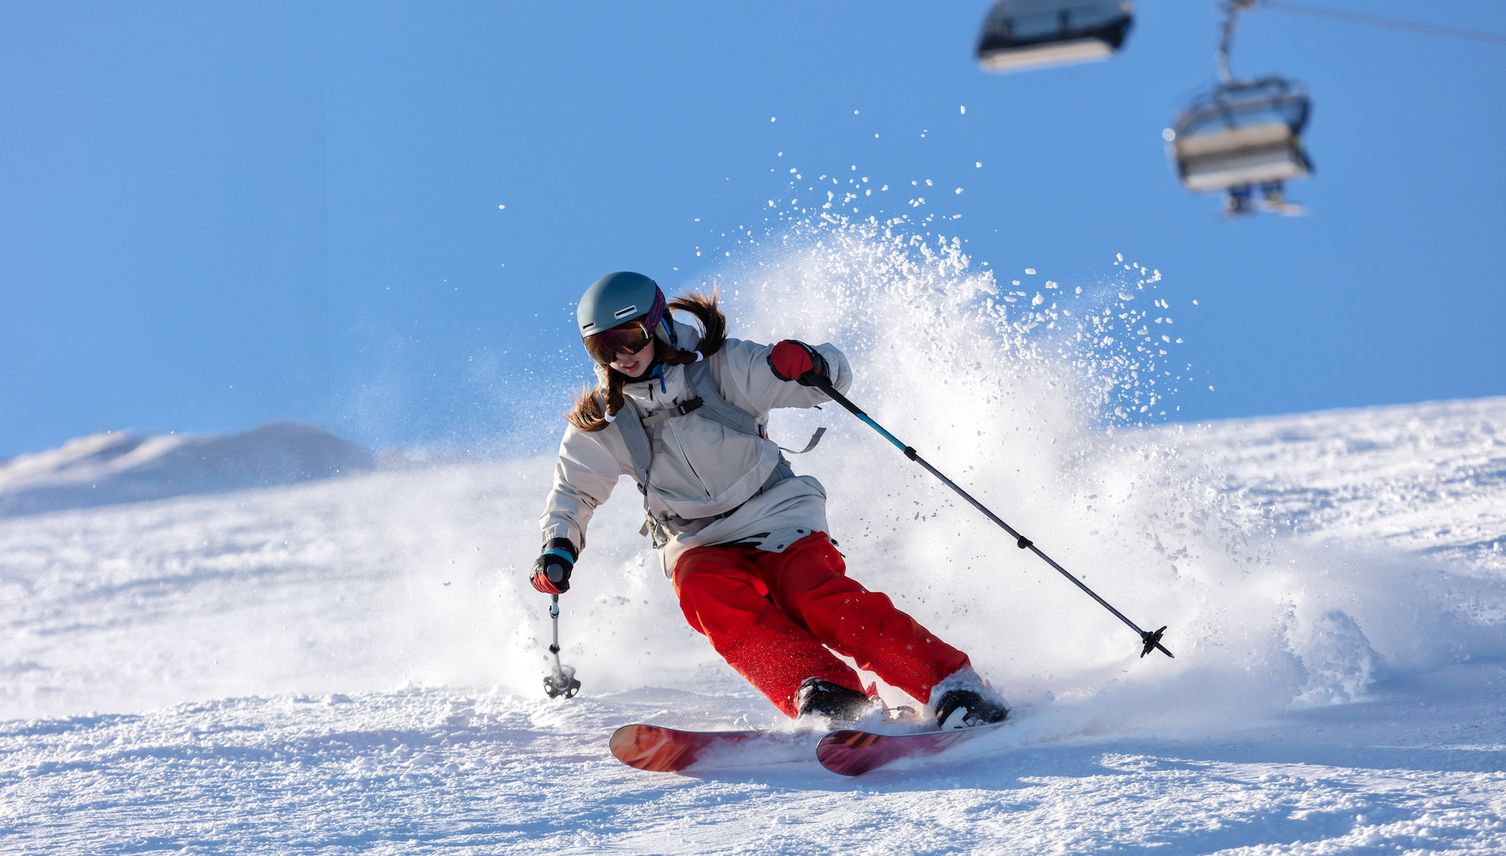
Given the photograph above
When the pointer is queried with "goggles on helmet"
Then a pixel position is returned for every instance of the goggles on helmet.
(629, 338)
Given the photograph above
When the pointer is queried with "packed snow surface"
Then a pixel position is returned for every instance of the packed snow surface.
(355, 664)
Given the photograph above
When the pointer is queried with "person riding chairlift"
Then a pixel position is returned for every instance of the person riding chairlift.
(742, 538)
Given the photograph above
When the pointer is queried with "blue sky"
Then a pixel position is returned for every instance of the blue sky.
(216, 215)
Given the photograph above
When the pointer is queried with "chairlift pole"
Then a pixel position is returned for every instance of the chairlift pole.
(1231, 10)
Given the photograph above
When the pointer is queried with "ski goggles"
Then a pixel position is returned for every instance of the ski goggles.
(629, 338)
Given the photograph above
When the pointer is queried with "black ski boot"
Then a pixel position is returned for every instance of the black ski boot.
(817, 697)
(965, 709)
(964, 700)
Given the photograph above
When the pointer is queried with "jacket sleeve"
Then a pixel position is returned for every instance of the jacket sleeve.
(584, 477)
(750, 383)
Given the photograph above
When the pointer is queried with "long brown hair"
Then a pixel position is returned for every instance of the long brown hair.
(588, 413)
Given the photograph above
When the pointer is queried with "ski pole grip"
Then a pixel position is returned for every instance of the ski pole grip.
(555, 573)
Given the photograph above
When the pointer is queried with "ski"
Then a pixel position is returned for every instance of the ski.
(672, 750)
(852, 752)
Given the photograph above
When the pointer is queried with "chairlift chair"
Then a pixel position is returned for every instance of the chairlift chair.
(1023, 34)
(1240, 136)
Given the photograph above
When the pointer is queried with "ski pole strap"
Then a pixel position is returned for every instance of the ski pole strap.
(810, 444)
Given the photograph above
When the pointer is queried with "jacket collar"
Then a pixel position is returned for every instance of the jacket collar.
(664, 384)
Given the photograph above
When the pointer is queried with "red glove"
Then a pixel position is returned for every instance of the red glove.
(797, 361)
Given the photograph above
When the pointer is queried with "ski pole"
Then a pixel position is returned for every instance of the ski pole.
(1151, 640)
(561, 681)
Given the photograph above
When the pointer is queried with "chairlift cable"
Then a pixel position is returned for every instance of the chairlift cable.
(1382, 21)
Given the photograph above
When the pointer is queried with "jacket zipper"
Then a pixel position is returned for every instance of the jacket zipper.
(680, 444)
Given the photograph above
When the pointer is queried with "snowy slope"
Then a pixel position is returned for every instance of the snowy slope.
(105, 469)
(1424, 478)
(354, 664)
(336, 665)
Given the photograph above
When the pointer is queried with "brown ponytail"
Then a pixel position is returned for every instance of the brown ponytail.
(588, 413)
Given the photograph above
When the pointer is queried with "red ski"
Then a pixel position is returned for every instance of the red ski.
(672, 750)
(853, 753)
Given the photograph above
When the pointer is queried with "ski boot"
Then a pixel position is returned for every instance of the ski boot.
(834, 702)
(964, 700)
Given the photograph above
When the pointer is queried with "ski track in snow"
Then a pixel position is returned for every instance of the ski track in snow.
(336, 666)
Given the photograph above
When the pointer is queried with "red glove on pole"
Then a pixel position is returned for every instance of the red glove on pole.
(797, 361)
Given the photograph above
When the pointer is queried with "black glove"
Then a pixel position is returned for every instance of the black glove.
(799, 362)
(551, 572)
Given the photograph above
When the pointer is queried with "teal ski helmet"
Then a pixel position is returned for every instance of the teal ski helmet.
(618, 299)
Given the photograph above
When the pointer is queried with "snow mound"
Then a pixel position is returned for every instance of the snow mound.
(1337, 656)
(114, 468)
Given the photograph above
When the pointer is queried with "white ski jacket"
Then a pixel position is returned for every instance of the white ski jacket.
(708, 484)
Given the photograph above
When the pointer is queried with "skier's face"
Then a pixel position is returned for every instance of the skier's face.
(636, 363)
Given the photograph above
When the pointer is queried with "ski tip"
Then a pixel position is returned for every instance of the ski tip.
(661, 749)
(843, 752)
(648, 747)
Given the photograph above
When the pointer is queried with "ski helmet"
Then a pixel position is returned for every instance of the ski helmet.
(618, 299)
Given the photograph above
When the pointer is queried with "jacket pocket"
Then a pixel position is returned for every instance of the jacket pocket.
(702, 468)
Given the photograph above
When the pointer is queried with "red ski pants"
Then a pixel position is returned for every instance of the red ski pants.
(773, 617)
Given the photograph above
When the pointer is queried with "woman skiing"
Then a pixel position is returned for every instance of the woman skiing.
(743, 538)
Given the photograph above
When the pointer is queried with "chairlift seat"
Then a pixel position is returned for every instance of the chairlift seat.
(1243, 157)
(1242, 134)
(1023, 34)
